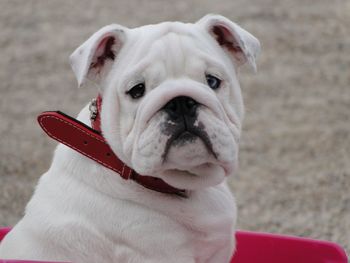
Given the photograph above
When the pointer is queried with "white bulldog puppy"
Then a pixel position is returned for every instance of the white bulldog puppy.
(172, 108)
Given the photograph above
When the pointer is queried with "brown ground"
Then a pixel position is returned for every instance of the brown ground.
(295, 155)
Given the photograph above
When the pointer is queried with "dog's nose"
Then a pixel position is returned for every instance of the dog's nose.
(181, 106)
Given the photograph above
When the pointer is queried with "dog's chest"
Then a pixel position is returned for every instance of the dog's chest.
(147, 236)
(143, 228)
(193, 233)
(156, 237)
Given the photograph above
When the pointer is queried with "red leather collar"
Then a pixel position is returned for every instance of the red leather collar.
(90, 142)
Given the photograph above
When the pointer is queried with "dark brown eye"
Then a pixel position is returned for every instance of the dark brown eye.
(137, 91)
(213, 82)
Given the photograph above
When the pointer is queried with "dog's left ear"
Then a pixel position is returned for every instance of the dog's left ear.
(94, 58)
(241, 45)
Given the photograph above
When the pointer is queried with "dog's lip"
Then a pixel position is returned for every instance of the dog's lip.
(184, 131)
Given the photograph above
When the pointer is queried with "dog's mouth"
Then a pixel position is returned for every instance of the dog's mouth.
(183, 134)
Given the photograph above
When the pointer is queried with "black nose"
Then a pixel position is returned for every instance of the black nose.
(181, 106)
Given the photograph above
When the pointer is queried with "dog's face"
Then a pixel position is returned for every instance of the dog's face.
(172, 106)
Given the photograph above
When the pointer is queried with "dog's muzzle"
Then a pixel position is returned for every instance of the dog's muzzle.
(182, 124)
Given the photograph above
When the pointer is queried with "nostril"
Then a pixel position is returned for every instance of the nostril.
(190, 103)
(173, 108)
(171, 105)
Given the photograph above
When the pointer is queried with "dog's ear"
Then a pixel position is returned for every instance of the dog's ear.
(241, 45)
(95, 57)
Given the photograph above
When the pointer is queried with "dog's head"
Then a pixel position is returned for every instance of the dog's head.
(172, 106)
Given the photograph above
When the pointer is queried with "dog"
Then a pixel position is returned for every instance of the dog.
(172, 108)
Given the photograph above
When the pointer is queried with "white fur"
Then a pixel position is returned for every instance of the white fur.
(83, 212)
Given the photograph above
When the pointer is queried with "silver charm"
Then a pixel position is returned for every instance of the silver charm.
(93, 109)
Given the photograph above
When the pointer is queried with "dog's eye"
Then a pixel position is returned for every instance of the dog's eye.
(137, 91)
(213, 82)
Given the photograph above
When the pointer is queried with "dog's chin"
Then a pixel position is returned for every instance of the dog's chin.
(199, 177)
(188, 163)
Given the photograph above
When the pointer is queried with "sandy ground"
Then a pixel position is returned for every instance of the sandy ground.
(295, 154)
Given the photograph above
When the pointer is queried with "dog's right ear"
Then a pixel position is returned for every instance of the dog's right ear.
(94, 58)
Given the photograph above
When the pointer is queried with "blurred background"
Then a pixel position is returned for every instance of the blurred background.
(294, 173)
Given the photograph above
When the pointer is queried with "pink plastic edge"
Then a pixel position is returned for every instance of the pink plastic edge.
(338, 251)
